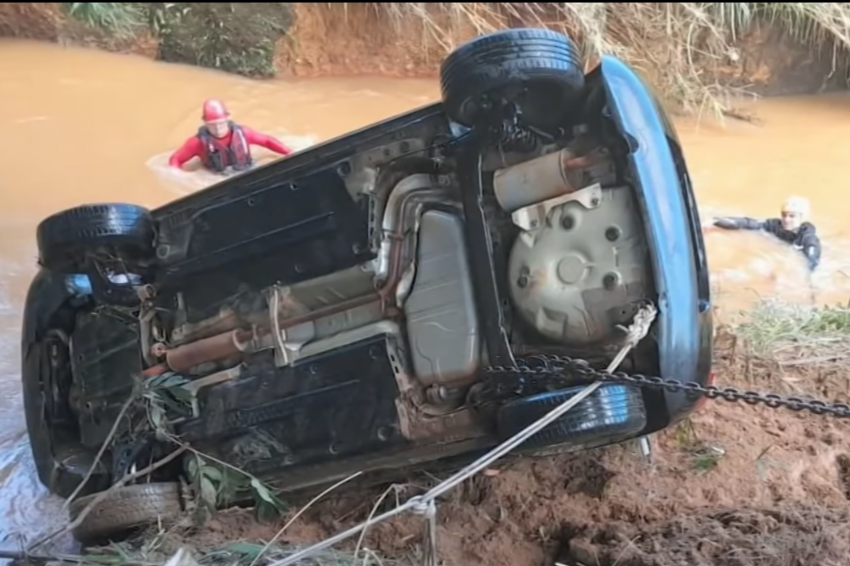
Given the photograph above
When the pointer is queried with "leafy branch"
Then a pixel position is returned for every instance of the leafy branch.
(216, 482)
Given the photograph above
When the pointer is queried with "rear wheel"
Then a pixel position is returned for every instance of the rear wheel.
(613, 413)
(538, 69)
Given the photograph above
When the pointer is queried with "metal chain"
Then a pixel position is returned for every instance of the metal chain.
(516, 380)
(559, 366)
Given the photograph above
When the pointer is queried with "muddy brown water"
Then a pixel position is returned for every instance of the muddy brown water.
(82, 125)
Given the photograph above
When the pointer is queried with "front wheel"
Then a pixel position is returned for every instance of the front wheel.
(60, 459)
(112, 244)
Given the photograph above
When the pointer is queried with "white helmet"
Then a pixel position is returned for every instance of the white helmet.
(800, 205)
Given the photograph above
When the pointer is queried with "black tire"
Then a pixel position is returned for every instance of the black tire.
(66, 238)
(126, 508)
(613, 413)
(61, 461)
(538, 60)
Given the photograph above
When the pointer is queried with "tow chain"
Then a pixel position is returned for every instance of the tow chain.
(559, 366)
(522, 379)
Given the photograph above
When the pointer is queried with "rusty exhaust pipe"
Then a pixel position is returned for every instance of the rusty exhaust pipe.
(185, 357)
(537, 180)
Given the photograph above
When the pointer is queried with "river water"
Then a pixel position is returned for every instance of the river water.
(86, 126)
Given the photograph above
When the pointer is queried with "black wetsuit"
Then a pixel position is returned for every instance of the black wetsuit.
(805, 238)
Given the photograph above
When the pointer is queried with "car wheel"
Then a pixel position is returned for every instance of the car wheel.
(104, 241)
(126, 508)
(538, 68)
(612, 413)
(67, 237)
(60, 459)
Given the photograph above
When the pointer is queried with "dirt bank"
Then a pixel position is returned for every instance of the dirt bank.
(692, 59)
(733, 486)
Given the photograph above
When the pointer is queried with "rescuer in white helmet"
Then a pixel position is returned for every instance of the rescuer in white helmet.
(791, 227)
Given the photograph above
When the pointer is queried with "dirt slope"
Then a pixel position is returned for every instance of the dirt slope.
(735, 486)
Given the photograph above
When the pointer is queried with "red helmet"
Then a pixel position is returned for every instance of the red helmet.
(214, 109)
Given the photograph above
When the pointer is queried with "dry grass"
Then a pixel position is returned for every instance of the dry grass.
(676, 45)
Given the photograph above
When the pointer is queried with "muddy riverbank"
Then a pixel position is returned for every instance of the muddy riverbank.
(732, 486)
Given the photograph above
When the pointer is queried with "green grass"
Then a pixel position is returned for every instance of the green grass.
(123, 19)
(797, 335)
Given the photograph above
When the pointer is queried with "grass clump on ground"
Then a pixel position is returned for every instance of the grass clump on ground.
(238, 38)
(123, 19)
(795, 335)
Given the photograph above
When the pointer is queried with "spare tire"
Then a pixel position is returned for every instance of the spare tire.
(613, 413)
(67, 237)
(539, 61)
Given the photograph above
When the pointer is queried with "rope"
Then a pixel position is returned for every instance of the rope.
(425, 505)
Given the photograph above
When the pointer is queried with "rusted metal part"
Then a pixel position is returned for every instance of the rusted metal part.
(235, 342)
(153, 371)
(188, 333)
(328, 310)
(185, 357)
(538, 179)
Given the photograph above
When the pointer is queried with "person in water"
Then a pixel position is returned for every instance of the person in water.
(221, 144)
(792, 227)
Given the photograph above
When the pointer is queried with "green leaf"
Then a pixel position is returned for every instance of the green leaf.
(156, 381)
(208, 491)
(174, 380)
(157, 416)
(181, 394)
(212, 473)
(245, 549)
(192, 467)
(102, 559)
(262, 491)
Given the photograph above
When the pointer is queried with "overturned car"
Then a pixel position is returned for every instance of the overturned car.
(374, 302)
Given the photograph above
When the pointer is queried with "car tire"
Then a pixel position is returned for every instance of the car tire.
(66, 238)
(613, 413)
(509, 62)
(126, 508)
(61, 461)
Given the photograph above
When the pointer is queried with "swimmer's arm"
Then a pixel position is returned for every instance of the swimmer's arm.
(811, 248)
(739, 223)
(273, 144)
(190, 148)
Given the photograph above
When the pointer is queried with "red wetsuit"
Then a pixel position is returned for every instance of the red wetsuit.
(233, 150)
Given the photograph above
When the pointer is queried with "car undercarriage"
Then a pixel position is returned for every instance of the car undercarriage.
(359, 305)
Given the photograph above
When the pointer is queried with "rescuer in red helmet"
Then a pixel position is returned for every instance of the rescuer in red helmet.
(221, 144)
